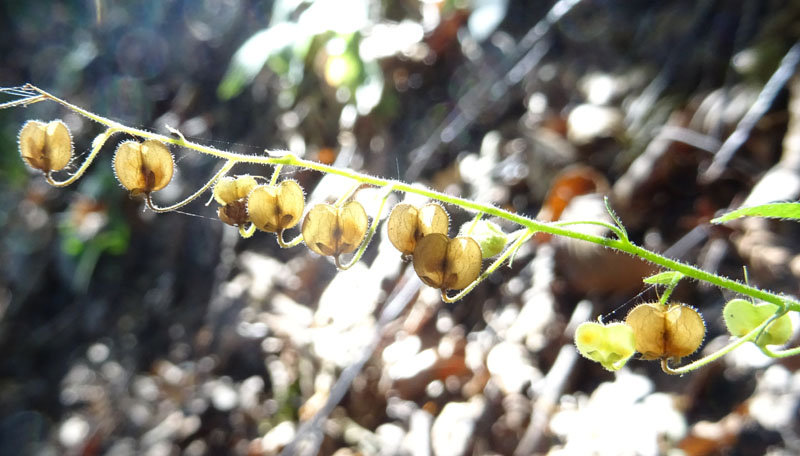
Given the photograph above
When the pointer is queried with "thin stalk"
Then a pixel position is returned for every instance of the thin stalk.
(749, 337)
(247, 232)
(669, 290)
(781, 353)
(370, 233)
(149, 201)
(275, 174)
(285, 245)
(493, 267)
(97, 144)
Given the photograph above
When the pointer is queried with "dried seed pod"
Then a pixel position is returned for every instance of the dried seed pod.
(610, 345)
(274, 208)
(672, 331)
(329, 230)
(229, 189)
(742, 316)
(447, 264)
(46, 147)
(408, 224)
(230, 192)
(143, 167)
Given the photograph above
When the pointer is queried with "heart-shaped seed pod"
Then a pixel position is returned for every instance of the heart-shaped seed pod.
(666, 332)
(330, 230)
(274, 208)
(743, 316)
(447, 264)
(610, 345)
(46, 147)
(229, 189)
(230, 192)
(143, 167)
(408, 224)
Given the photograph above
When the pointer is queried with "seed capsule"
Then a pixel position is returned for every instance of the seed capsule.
(666, 332)
(274, 208)
(408, 224)
(743, 316)
(45, 147)
(447, 264)
(230, 193)
(329, 230)
(143, 167)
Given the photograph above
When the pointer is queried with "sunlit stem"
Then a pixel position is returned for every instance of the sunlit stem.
(781, 353)
(347, 194)
(149, 201)
(285, 245)
(474, 222)
(275, 175)
(621, 235)
(247, 232)
(97, 144)
(670, 289)
(510, 250)
(289, 159)
(371, 232)
(23, 102)
(749, 337)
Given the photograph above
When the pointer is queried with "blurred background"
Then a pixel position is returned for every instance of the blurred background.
(123, 332)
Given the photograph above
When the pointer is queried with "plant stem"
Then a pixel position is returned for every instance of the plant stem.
(287, 159)
(749, 337)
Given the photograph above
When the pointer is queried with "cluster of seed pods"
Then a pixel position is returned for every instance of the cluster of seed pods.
(439, 261)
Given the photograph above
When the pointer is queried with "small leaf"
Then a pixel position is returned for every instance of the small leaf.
(610, 345)
(775, 210)
(664, 278)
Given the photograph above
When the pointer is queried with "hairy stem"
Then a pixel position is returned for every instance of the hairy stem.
(287, 159)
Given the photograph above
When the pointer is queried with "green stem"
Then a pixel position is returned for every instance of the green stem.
(288, 159)
(247, 232)
(781, 353)
(97, 144)
(493, 267)
(370, 233)
(149, 201)
(749, 337)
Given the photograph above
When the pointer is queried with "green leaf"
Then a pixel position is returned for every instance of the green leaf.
(664, 278)
(775, 210)
(610, 345)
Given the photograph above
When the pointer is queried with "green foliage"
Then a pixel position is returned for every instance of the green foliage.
(786, 211)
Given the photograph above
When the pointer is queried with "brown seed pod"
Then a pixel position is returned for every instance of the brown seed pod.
(274, 208)
(230, 192)
(46, 147)
(408, 224)
(143, 167)
(329, 230)
(672, 331)
(447, 264)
